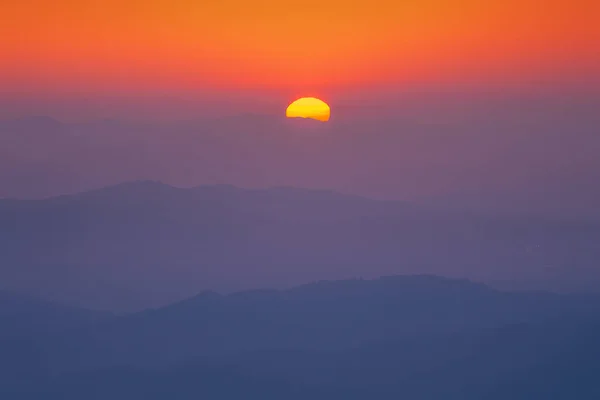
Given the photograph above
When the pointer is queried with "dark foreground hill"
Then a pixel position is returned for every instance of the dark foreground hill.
(418, 337)
(23, 316)
(325, 315)
(537, 361)
(322, 316)
(143, 244)
(28, 326)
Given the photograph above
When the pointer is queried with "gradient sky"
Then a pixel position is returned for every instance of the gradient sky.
(128, 46)
(428, 97)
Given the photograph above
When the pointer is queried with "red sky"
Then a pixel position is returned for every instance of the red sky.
(116, 46)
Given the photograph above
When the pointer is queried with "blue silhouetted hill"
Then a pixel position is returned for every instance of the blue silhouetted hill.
(29, 326)
(21, 315)
(145, 244)
(323, 316)
(418, 337)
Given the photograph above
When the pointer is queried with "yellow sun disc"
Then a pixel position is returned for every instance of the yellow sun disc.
(309, 107)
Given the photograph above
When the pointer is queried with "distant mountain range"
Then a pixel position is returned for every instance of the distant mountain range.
(144, 244)
(491, 160)
(421, 337)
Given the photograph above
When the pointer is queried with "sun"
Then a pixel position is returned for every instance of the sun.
(309, 107)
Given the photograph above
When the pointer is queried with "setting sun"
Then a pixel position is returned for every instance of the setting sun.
(309, 107)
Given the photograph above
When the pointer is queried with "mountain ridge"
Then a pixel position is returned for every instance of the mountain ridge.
(145, 243)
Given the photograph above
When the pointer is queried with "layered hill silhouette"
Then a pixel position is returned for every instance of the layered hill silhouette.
(145, 244)
(332, 316)
(24, 316)
(424, 337)
(28, 325)
(540, 361)
(446, 154)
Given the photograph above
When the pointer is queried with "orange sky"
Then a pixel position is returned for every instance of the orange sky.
(113, 45)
